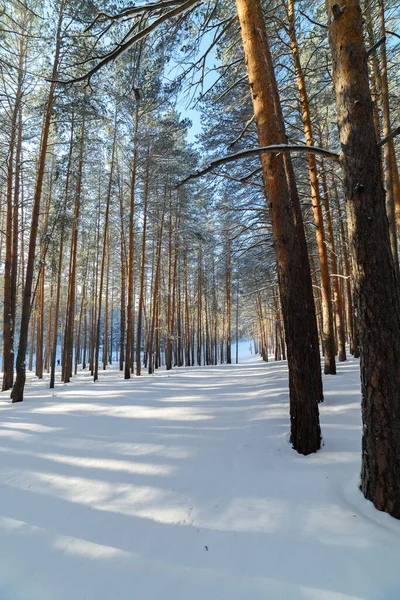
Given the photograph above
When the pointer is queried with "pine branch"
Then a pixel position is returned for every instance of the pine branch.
(121, 48)
(376, 45)
(392, 135)
(274, 149)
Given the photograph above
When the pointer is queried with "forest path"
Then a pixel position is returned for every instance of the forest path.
(182, 486)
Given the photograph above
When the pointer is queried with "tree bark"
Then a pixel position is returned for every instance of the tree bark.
(375, 287)
(17, 393)
(60, 260)
(142, 274)
(103, 256)
(130, 307)
(328, 341)
(289, 239)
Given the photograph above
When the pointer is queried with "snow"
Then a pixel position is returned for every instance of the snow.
(183, 486)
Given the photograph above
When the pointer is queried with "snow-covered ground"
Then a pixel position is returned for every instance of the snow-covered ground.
(182, 486)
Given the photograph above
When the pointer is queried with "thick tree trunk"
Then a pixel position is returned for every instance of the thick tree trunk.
(289, 238)
(375, 286)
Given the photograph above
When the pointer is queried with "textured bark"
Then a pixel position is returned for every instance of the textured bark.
(290, 245)
(375, 286)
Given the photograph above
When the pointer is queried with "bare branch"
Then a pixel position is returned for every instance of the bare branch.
(133, 10)
(376, 45)
(392, 135)
(273, 149)
(29, 9)
(242, 181)
(241, 134)
(393, 33)
(121, 48)
(250, 175)
(312, 21)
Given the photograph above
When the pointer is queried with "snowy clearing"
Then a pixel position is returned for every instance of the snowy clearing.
(183, 486)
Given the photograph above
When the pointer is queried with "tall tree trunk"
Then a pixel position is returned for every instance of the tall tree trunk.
(228, 303)
(289, 239)
(337, 296)
(153, 321)
(71, 300)
(123, 285)
(389, 147)
(199, 305)
(60, 260)
(142, 272)
(328, 342)
(11, 232)
(17, 393)
(130, 306)
(375, 285)
(104, 254)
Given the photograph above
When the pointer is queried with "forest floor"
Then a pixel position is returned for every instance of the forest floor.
(183, 486)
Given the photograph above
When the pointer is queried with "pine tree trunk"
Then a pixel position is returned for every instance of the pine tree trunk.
(60, 260)
(328, 342)
(289, 239)
(10, 264)
(142, 275)
(103, 257)
(375, 287)
(130, 307)
(17, 393)
(389, 147)
(153, 323)
(337, 297)
(228, 304)
(71, 300)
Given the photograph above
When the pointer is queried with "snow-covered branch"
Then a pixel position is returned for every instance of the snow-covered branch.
(274, 149)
